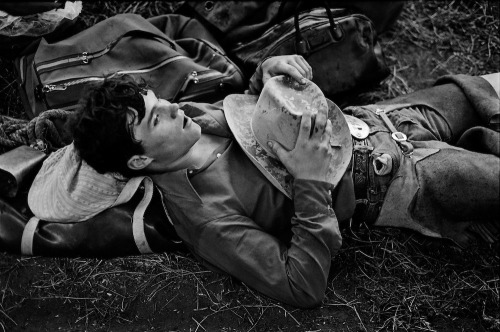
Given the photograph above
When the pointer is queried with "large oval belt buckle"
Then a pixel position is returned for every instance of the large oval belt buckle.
(358, 128)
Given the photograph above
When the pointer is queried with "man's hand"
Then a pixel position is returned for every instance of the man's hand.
(293, 65)
(312, 155)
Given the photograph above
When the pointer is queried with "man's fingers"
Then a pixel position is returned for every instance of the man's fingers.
(295, 73)
(306, 67)
(320, 123)
(265, 77)
(305, 128)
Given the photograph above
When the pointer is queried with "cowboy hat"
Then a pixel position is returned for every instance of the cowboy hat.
(67, 189)
(276, 115)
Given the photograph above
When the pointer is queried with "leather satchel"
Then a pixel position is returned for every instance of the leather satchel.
(342, 48)
(180, 65)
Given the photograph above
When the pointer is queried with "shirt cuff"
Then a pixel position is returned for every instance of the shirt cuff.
(312, 196)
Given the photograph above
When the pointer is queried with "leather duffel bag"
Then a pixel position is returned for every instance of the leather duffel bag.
(341, 47)
(111, 233)
(182, 61)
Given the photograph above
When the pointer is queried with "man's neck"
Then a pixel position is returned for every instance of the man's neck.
(202, 150)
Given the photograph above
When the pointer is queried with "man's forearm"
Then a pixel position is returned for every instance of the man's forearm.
(294, 273)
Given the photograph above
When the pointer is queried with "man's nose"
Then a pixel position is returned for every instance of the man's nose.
(173, 110)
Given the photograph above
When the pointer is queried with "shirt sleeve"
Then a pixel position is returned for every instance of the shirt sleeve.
(255, 84)
(295, 273)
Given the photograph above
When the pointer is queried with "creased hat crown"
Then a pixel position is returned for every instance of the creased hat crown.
(279, 110)
(276, 114)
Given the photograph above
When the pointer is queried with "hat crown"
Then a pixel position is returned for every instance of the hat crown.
(279, 109)
(67, 189)
(242, 113)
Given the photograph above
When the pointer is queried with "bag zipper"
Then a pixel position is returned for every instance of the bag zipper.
(57, 86)
(196, 77)
(76, 59)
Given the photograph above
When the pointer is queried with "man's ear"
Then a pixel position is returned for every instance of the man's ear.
(137, 162)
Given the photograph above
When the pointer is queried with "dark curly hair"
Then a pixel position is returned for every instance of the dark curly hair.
(102, 130)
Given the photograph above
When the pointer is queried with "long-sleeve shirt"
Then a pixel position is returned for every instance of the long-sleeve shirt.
(232, 218)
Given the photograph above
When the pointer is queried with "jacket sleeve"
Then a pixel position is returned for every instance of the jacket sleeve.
(295, 273)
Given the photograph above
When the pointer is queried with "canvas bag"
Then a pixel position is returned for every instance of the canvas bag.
(186, 68)
(341, 47)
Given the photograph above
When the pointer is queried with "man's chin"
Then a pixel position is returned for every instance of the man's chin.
(197, 128)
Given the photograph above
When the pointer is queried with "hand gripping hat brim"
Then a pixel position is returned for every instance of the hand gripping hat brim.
(239, 111)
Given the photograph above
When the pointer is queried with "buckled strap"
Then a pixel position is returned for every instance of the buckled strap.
(399, 137)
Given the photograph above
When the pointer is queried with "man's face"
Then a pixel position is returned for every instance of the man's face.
(166, 134)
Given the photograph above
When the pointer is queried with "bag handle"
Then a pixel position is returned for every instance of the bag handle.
(133, 24)
(141, 33)
(300, 44)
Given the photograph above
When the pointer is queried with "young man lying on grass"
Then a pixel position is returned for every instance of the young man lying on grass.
(240, 212)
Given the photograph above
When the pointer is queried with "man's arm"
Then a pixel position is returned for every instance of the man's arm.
(295, 273)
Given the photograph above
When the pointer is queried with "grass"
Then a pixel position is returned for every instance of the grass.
(382, 279)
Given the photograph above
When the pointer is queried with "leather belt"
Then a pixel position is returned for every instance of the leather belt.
(369, 188)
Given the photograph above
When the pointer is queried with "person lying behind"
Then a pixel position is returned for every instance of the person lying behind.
(278, 235)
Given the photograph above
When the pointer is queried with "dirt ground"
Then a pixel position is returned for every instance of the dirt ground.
(173, 293)
(382, 280)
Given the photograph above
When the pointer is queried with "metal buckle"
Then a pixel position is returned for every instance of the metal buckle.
(358, 128)
(399, 136)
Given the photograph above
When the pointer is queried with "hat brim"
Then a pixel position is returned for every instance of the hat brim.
(239, 109)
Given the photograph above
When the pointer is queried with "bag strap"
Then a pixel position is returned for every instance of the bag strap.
(300, 44)
(28, 235)
(129, 190)
(138, 218)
